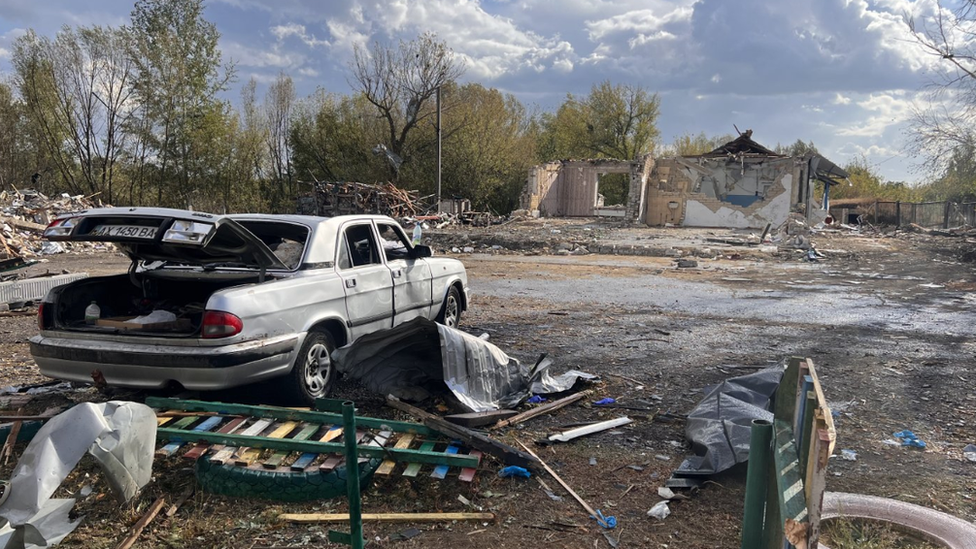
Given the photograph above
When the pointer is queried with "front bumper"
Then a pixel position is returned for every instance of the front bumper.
(156, 366)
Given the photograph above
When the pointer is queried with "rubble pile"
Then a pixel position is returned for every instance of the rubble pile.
(330, 199)
(24, 214)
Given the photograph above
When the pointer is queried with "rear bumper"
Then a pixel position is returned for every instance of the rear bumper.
(155, 366)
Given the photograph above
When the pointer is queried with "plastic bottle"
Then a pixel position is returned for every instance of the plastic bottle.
(417, 232)
(92, 313)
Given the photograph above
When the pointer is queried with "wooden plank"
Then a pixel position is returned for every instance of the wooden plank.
(586, 506)
(139, 526)
(202, 447)
(824, 411)
(250, 455)
(208, 424)
(312, 518)
(177, 441)
(816, 479)
(440, 472)
(335, 460)
(480, 419)
(322, 447)
(541, 410)
(467, 474)
(227, 453)
(413, 468)
(281, 413)
(784, 407)
(387, 466)
(472, 439)
(304, 434)
(331, 432)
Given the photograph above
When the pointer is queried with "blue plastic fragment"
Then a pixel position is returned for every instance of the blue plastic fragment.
(908, 438)
(604, 401)
(514, 471)
(535, 399)
(606, 522)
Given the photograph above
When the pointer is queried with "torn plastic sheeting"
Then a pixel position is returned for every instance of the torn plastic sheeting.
(720, 426)
(420, 357)
(120, 435)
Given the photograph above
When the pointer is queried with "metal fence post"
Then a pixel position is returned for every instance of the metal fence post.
(876, 208)
(898, 213)
(945, 216)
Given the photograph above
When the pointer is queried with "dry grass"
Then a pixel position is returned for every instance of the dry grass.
(867, 534)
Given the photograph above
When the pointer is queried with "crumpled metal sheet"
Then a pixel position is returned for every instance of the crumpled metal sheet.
(417, 358)
(120, 435)
(720, 426)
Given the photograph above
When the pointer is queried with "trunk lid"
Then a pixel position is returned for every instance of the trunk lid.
(178, 237)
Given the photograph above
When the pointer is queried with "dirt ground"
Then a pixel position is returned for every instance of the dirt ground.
(887, 319)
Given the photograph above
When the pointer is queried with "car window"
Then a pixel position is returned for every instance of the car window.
(360, 246)
(393, 241)
(285, 240)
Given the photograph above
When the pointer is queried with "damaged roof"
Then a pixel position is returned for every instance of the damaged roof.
(741, 145)
(825, 170)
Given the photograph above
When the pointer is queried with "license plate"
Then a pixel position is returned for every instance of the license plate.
(125, 231)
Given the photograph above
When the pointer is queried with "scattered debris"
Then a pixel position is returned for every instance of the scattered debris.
(604, 401)
(848, 455)
(120, 436)
(409, 533)
(541, 410)
(969, 452)
(480, 419)
(329, 199)
(660, 511)
(139, 526)
(665, 492)
(24, 214)
(312, 518)
(566, 436)
(474, 439)
(514, 471)
(404, 361)
(908, 438)
(606, 522)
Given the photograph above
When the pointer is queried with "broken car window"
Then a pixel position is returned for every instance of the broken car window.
(361, 245)
(394, 242)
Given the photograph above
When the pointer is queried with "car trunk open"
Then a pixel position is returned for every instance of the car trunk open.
(122, 303)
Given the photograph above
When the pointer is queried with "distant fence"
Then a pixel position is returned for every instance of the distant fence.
(926, 214)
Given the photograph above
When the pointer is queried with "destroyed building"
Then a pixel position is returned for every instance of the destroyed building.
(741, 184)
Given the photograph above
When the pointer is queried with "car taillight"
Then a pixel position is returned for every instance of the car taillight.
(221, 324)
(41, 324)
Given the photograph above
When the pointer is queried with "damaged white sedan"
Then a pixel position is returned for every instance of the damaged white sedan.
(218, 301)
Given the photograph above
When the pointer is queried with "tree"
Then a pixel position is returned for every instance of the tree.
(864, 181)
(17, 152)
(938, 132)
(613, 121)
(400, 82)
(78, 91)
(278, 105)
(180, 73)
(798, 148)
(691, 144)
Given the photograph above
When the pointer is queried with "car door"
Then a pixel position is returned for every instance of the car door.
(411, 277)
(365, 278)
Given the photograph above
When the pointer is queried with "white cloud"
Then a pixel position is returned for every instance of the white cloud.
(888, 109)
(282, 32)
(840, 99)
(4, 53)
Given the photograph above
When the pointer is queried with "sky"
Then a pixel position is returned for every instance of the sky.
(841, 73)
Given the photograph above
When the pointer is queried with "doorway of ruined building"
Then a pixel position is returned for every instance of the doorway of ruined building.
(612, 191)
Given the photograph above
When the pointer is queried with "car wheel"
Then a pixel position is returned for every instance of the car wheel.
(313, 374)
(451, 311)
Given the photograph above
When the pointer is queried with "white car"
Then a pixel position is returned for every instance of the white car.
(217, 301)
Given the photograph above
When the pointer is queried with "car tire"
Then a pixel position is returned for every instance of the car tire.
(313, 374)
(450, 314)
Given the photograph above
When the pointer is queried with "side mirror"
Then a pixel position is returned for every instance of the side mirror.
(420, 250)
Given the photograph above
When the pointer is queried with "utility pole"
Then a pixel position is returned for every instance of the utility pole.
(438, 149)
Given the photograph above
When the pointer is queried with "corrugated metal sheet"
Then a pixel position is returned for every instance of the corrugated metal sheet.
(34, 289)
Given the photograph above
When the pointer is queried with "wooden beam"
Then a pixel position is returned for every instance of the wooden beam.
(165, 433)
(139, 526)
(583, 504)
(473, 439)
(480, 419)
(312, 518)
(541, 410)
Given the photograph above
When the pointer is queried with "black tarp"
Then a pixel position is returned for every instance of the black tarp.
(720, 426)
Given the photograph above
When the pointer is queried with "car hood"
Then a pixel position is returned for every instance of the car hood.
(177, 237)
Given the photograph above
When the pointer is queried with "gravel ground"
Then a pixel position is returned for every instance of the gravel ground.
(888, 321)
